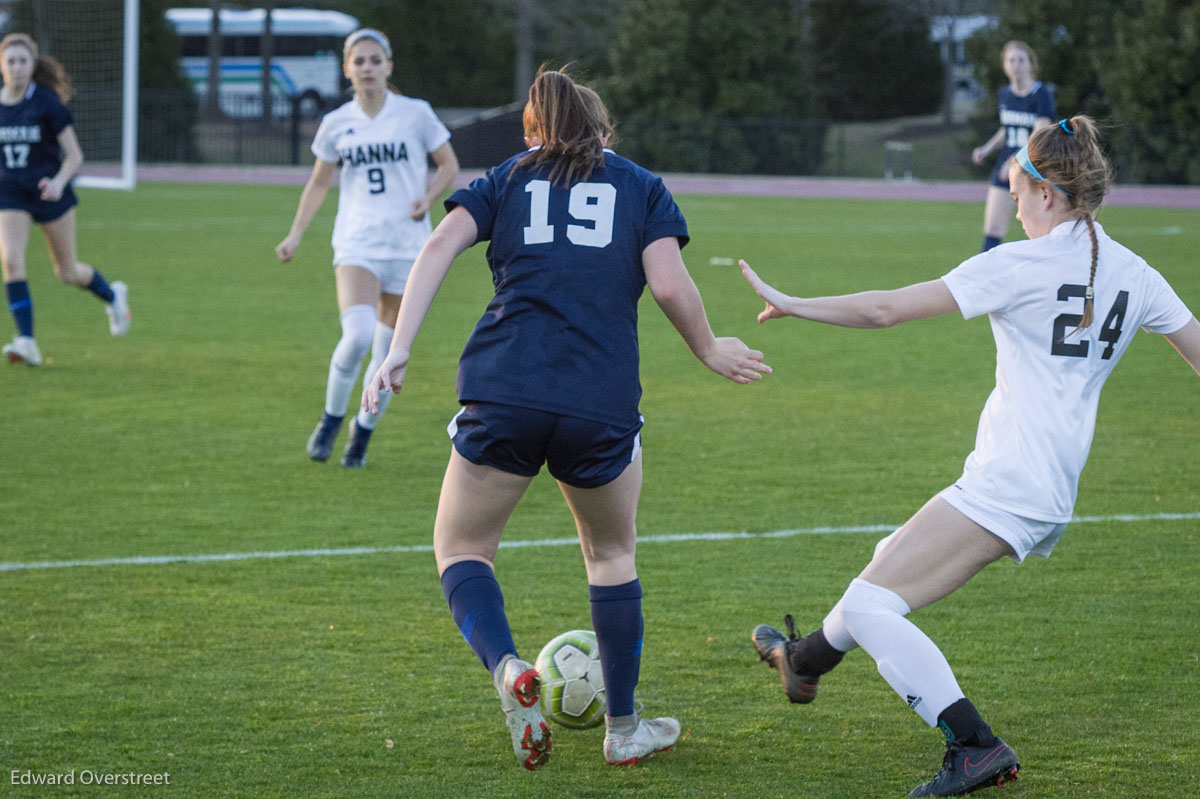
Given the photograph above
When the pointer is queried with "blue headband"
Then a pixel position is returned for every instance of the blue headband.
(1022, 158)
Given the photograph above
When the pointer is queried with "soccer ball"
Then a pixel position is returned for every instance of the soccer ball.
(572, 685)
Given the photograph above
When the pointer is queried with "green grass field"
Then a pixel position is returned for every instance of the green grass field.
(343, 675)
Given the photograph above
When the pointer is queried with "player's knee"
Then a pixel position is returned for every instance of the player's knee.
(866, 602)
(358, 330)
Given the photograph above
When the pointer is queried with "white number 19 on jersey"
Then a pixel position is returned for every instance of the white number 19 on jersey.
(587, 202)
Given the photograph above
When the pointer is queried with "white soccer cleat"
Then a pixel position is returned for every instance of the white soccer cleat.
(520, 689)
(23, 349)
(118, 309)
(656, 735)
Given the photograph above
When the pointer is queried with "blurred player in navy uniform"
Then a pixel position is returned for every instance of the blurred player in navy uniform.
(550, 375)
(382, 140)
(1064, 306)
(40, 155)
(1024, 105)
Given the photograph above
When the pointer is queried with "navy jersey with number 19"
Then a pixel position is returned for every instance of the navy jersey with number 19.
(560, 334)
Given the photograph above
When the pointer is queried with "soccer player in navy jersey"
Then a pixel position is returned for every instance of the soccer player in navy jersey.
(1064, 306)
(40, 155)
(550, 375)
(382, 141)
(1024, 105)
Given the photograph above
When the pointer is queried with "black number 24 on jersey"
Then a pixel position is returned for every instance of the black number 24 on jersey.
(1110, 331)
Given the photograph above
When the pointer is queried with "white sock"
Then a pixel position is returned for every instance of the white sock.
(357, 323)
(910, 662)
(379, 350)
(836, 632)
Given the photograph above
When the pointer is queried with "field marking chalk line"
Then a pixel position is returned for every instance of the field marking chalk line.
(664, 538)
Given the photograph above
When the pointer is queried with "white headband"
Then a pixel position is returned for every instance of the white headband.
(367, 33)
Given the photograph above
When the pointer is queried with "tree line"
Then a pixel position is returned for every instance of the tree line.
(750, 85)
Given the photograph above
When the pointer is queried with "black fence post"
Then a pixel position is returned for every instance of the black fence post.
(295, 137)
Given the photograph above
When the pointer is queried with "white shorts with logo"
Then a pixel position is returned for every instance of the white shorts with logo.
(392, 272)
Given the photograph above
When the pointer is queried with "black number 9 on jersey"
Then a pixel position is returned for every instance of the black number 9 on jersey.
(1110, 331)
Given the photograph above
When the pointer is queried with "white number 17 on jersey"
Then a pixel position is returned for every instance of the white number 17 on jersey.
(587, 202)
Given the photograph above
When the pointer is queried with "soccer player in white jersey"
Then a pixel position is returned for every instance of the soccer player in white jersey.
(382, 140)
(1064, 306)
(549, 377)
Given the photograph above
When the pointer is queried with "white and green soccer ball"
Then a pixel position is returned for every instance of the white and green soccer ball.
(572, 684)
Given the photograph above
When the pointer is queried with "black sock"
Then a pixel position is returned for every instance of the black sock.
(961, 722)
(812, 655)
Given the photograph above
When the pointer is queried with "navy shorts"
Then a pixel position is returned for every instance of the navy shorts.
(14, 197)
(1000, 173)
(579, 452)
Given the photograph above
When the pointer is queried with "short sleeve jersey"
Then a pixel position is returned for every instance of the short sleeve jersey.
(1037, 425)
(1019, 114)
(29, 137)
(384, 163)
(560, 334)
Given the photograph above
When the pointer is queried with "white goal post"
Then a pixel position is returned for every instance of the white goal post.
(127, 174)
(97, 43)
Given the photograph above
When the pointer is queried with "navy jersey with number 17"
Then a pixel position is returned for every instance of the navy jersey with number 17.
(29, 149)
(560, 334)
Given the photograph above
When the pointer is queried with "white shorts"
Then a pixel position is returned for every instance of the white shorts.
(392, 272)
(1026, 536)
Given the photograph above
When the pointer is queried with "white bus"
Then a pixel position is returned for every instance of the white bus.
(306, 60)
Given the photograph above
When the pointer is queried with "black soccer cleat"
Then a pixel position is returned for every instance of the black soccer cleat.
(772, 647)
(966, 769)
(320, 443)
(355, 456)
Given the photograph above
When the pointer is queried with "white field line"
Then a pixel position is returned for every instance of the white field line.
(666, 538)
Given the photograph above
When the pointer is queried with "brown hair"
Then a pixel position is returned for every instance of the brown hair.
(46, 70)
(1033, 62)
(1069, 157)
(571, 122)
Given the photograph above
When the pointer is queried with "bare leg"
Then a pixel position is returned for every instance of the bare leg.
(997, 212)
(474, 506)
(606, 518)
(60, 238)
(14, 238)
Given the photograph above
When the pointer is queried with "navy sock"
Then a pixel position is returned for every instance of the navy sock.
(477, 605)
(617, 617)
(99, 286)
(989, 242)
(21, 305)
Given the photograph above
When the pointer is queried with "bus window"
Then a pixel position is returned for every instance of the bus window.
(306, 57)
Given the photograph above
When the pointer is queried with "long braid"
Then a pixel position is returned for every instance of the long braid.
(1089, 297)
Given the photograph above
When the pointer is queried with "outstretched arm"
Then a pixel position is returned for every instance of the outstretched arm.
(310, 202)
(675, 292)
(1186, 342)
(455, 233)
(867, 309)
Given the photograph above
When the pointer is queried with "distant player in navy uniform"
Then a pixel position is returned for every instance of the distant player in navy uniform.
(40, 155)
(382, 141)
(550, 375)
(1025, 105)
(1064, 306)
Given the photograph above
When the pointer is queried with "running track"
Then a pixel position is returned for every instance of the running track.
(842, 188)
